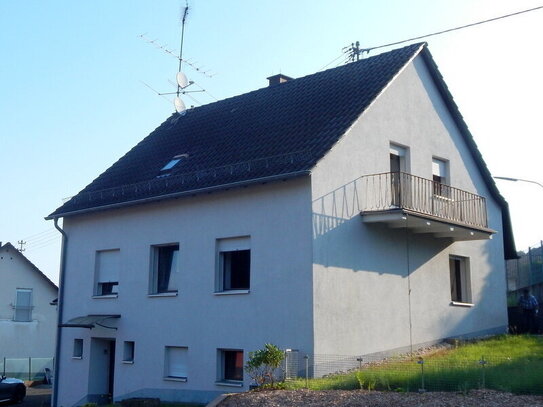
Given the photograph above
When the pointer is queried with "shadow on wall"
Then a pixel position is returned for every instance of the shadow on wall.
(342, 241)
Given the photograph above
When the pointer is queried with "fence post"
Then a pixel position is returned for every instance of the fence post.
(29, 369)
(421, 363)
(483, 362)
(306, 357)
(4, 367)
(359, 360)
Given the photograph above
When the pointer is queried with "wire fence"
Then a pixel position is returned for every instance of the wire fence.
(321, 372)
(527, 270)
(26, 368)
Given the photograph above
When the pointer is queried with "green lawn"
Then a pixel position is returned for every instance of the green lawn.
(510, 363)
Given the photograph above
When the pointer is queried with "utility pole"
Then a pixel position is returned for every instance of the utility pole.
(21, 244)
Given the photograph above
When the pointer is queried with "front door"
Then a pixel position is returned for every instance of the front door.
(102, 369)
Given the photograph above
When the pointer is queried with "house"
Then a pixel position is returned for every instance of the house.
(27, 319)
(347, 212)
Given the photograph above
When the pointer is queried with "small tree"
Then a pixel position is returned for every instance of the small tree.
(263, 363)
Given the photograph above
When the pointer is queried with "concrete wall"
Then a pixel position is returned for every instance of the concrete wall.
(361, 284)
(25, 339)
(278, 309)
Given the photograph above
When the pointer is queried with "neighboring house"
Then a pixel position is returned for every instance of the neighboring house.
(347, 212)
(27, 319)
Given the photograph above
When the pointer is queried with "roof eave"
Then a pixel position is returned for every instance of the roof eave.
(175, 195)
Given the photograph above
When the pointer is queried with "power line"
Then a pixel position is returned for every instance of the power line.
(362, 50)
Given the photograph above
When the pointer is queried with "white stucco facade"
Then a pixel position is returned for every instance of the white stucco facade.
(32, 333)
(277, 308)
(321, 280)
(378, 289)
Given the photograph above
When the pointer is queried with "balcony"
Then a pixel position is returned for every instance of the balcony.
(402, 200)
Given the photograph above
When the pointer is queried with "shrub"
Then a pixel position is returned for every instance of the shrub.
(263, 364)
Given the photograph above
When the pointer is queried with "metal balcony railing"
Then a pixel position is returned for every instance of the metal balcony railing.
(399, 190)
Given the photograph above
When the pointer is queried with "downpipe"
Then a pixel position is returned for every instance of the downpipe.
(54, 401)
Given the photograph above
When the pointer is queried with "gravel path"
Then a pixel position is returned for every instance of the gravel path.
(362, 398)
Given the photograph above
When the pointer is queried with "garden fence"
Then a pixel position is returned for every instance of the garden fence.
(25, 368)
(524, 376)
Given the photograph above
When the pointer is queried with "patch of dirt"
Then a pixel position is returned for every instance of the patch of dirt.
(364, 398)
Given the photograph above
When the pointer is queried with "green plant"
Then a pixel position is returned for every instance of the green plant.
(263, 363)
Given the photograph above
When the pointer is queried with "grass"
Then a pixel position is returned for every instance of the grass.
(512, 363)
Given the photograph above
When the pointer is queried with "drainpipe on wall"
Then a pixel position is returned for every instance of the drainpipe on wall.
(54, 400)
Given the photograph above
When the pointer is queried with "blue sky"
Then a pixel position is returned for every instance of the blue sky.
(73, 102)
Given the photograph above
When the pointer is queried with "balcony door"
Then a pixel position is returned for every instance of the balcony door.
(398, 164)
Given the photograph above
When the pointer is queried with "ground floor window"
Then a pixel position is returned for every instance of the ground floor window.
(175, 362)
(128, 352)
(230, 365)
(460, 279)
(78, 349)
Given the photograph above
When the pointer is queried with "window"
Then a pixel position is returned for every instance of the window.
(234, 264)
(440, 177)
(164, 269)
(175, 363)
(128, 352)
(78, 349)
(167, 169)
(23, 305)
(460, 279)
(107, 272)
(230, 365)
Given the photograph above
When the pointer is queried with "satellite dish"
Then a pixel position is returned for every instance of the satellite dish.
(182, 80)
(179, 105)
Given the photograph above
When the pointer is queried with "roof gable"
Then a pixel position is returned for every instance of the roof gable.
(9, 247)
(278, 131)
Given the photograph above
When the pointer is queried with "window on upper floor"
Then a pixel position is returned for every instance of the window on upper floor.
(175, 363)
(22, 309)
(164, 268)
(107, 272)
(233, 264)
(460, 279)
(440, 176)
(230, 366)
(398, 164)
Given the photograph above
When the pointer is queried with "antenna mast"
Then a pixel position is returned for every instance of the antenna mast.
(183, 20)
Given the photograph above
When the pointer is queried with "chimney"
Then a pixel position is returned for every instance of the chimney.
(277, 79)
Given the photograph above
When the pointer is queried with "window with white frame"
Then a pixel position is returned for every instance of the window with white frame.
(165, 269)
(230, 366)
(233, 264)
(440, 177)
(78, 349)
(128, 352)
(460, 279)
(175, 363)
(107, 272)
(23, 305)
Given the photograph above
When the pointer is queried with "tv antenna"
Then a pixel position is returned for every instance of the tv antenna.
(182, 82)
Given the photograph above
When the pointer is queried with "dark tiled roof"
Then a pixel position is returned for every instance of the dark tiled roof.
(275, 132)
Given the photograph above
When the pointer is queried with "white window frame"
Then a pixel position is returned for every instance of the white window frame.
(224, 248)
(222, 380)
(176, 363)
(460, 276)
(441, 177)
(24, 309)
(107, 270)
(173, 278)
(403, 153)
(77, 352)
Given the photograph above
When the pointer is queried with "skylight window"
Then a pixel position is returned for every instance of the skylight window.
(173, 162)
